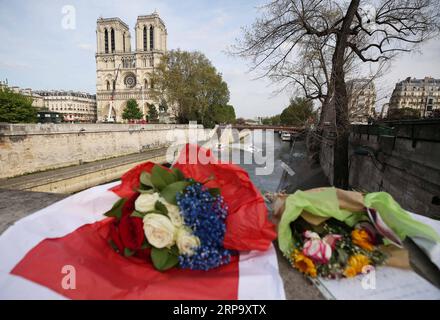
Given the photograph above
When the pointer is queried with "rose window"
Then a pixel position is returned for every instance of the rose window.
(130, 81)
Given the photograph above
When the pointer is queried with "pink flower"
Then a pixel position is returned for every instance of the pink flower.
(331, 239)
(319, 250)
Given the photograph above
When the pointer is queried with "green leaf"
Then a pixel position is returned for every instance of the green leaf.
(161, 177)
(174, 250)
(342, 256)
(145, 245)
(116, 210)
(170, 192)
(146, 179)
(214, 192)
(137, 214)
(128, 252)
(163, 259)
(149, 191)
(159, 206)
(179, 174)
(113, 245)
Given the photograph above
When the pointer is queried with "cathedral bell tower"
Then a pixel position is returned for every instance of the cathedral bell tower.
(123, 74)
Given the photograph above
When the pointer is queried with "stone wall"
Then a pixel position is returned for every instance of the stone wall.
(39, 147)
(403, 160)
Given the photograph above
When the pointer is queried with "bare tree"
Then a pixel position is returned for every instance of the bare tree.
(373, 31)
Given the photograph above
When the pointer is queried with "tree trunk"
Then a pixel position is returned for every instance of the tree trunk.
(340, 101)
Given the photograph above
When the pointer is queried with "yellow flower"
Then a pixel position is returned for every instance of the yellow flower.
(304, 264)
(355, 265)
(361, 238)
(350, 272)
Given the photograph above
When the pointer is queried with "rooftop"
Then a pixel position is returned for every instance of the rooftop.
(426, 80)
(115, 19)
(65, 93)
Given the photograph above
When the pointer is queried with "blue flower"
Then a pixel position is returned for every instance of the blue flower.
(205, 214)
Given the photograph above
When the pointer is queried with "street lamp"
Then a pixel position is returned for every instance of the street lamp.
(143, 100)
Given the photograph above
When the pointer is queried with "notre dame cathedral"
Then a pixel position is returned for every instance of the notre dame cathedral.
(123, 74)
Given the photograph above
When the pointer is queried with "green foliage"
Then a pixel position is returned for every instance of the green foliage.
(164, 259)
(240, 121)
(272, 121)
(16, 108)
(128, 252)
(161, 177)
(163, 106)
(179, 174)
(219, 114)
(145, 179)
(116, 210)
(170, 192)
(132, 111)
(190, 82)
(153, 115)
(298, 112)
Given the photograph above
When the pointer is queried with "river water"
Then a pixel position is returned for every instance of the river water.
(283, 164)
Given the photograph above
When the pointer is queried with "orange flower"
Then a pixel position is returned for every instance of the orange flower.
(350, 272)
(304, 264)
(355, 265)
(361, 238)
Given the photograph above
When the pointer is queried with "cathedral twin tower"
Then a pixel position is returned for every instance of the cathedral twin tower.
(123, 74)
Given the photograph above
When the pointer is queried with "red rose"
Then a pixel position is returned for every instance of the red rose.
(128, 207)
(115, 237)
(131, 231)
(143, 254)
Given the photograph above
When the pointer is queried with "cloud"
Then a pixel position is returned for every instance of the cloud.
(206, 26)
(86, 47)
(14, 65)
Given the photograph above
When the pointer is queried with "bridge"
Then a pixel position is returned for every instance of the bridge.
(267, 127)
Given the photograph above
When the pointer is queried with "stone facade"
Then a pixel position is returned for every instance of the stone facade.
(362, 100)
(122, 73)
(73, 106)
(419, 94)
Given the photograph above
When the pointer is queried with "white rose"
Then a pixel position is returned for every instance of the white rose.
(187, 242)
(173, 213)
(146, 201)
(159, 230)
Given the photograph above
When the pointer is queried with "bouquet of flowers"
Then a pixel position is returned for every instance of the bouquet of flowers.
(333, 233)
(177, 219)
(335, 250)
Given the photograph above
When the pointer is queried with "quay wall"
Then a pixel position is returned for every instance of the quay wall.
(28, 148)
(401, 158)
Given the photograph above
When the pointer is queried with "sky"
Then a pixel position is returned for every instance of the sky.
(37, 52)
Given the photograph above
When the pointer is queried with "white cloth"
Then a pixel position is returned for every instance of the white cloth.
(259, 276)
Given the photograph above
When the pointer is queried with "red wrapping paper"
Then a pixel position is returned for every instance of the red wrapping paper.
(247, 225)
(101, 273)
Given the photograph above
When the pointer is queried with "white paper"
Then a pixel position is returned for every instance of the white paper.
(385, 283)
